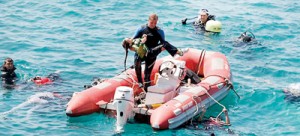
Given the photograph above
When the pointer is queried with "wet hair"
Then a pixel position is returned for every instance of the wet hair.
(53, 76)
(153, 17)
(204, 10)
(125, 44)
(247, 39)
(37, 78)
(8, 60)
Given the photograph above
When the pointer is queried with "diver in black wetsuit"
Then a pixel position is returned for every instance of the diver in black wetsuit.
(8, 75)
(246, 38)
(201, 21)
(155, 39)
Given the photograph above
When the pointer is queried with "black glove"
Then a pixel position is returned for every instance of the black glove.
(184, 21)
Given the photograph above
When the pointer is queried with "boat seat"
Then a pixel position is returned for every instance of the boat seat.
(163, 85)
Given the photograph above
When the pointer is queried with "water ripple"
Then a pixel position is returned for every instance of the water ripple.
(83, 40)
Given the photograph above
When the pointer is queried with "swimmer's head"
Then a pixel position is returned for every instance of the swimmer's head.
(244, 37)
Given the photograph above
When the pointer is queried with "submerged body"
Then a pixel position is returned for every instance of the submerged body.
(45, 80)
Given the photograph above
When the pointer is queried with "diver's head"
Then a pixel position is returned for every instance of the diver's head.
(203, 15)
(152, 20)
(53, 76)
(8, 64)
(246, 38)
(37, 78)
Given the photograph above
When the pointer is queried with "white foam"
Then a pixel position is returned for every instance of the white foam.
(34, 99)
(293, 89)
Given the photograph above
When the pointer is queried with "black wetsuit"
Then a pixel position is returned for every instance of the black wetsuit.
(201, 26)
(8, 76)
(155, 37)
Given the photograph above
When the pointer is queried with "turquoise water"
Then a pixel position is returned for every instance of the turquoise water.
(81, 39)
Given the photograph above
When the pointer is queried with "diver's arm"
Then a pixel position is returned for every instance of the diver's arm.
(184, 21)
(162, 35)
(3, 73)
(138, 33)
(162, 38)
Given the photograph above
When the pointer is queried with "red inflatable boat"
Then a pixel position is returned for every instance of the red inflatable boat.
(169, 102)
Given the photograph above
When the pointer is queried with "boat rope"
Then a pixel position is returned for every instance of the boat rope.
(226, 81)
(206, 91)
(202, 115)
(197, 108)
(232, 87)
(216, 102)
(201, 57)
(133, 82)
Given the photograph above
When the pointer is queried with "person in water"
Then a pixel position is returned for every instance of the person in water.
(45, 80)
(201, 20)
(8, 75)
(152, 42)
(215, 122)
(246, 38)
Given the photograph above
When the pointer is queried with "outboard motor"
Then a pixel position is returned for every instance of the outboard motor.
(123, 103)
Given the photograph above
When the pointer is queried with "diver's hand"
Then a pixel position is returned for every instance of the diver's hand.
(144, 38)
(184, 21)
(180, 52)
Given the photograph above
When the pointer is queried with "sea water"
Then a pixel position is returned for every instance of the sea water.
(82, 39)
